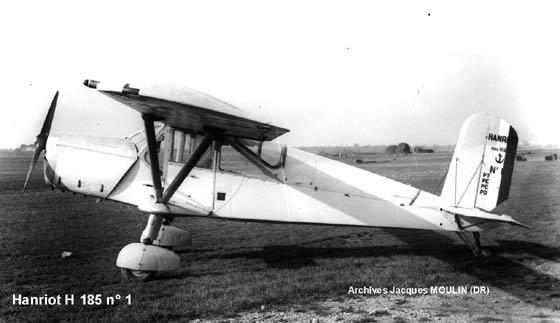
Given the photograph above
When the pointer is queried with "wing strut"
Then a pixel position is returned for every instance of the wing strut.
(186, 169)
(152, 151)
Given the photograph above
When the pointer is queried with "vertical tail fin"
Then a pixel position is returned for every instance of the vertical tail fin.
(480, 172)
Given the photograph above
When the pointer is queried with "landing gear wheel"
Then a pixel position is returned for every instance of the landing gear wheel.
(137, 275)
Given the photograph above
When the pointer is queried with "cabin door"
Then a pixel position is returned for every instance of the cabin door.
(198, 188)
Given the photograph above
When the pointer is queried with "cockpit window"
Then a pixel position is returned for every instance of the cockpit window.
(181, 146)
(184, 144)
(206, 161)
(231, 161)
(271, 153)
(139, 140)
(139, 137)
(246, 157)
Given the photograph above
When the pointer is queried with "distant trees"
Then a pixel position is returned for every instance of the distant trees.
(24, 147)
(391, 150)
(418, 149)
(402, 148)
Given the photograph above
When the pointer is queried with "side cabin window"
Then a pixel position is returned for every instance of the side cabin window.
(272, 157)
(270, 152)
(231, 161)
(184, 144)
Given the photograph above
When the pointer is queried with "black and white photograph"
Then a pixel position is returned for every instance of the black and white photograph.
(280, 161)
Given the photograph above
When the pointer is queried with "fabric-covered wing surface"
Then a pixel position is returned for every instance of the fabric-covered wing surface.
(189, 109)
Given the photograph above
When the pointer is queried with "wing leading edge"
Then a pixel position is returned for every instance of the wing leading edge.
(187, 108)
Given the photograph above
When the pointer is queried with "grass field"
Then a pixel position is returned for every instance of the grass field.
(235, 268)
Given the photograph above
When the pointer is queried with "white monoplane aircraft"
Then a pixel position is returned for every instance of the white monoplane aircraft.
(199, 156)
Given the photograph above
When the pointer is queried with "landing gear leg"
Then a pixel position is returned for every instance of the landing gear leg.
(152, 229)
(151, 233)
(140, 261)
(474, 245)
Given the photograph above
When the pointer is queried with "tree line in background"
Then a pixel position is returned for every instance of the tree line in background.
(401, 149)
(22, 147)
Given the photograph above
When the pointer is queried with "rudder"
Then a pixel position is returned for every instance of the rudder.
(481, 169)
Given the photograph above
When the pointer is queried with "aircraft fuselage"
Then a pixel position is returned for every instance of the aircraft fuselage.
(307, 189)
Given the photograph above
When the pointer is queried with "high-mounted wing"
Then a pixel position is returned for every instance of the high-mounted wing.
(187, 108)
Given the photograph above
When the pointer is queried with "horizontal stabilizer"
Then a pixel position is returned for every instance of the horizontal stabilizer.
(476, 215)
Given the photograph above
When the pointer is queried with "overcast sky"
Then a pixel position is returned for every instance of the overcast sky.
(334, 73)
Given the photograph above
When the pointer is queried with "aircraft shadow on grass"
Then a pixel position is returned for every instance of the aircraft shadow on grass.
(497, 270)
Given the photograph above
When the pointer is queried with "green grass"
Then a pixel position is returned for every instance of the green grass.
(235, 266)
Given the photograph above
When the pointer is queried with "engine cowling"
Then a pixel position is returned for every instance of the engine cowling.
(86, 164)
